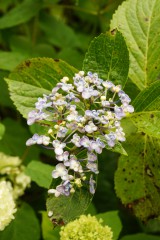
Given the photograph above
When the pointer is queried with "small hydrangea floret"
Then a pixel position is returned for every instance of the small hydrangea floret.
(84, 115)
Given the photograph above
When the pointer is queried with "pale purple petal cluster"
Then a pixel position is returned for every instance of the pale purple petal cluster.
(84, 117)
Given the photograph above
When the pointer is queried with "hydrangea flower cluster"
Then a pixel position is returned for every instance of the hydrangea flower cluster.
(11, 168)
(7, 204)
(86, 228)
(83, 115)
(13, 182)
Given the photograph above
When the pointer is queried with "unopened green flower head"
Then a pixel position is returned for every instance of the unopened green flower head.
(86, 228)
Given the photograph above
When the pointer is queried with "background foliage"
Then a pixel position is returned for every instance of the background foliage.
(64, 29)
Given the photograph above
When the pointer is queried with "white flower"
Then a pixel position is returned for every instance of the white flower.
(76, 140)
(120, 135)
(90, 127)
(35, 115)
(62, 132)
(92, 185)
(43, 140)
(119, 112)
(42, 103)
(64, 79)
(85, 142)
(89, 92)
(105, 103)
(127, 108)
(93, 167)
(111, 138)
(97, 146)
(91, 157)
(108, 84)
(63, 156)
(36, 139)
(124, 97)
(58, 147)
(54, 191)
(60, 171)
(67, 87)
(7, 204)
(75, 165)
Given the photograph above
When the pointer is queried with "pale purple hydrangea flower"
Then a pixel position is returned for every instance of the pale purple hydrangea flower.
(80, 113)
(35, 115)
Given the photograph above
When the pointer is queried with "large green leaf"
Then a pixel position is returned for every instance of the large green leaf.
(21, 13)
(138, 21)
(108, 56)
(33, 78)
(67, 208)
(113, 221)
(147, 107)
(25, 226)
(40, 173)
(148, 122)
(148, 99)
(137, 180)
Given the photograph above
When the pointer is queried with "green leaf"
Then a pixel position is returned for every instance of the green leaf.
(68, 208)
(4, 96)
(9, 60)
(148, 122)
(76, 59)
(14, 140)
(47, 228)
(21, 13)
(40, 173)
(147, 107)
(118, 148)
(140, 236)
(33, 78)
(138, 21)
(24, 46)
(25, 226)
(137, 180)
(113, 221)
(152, 226)
(108, 56)
(148, 99)
(91, 209)
(57, 32)
(105, 198)
(131, 89)
(2, 130)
